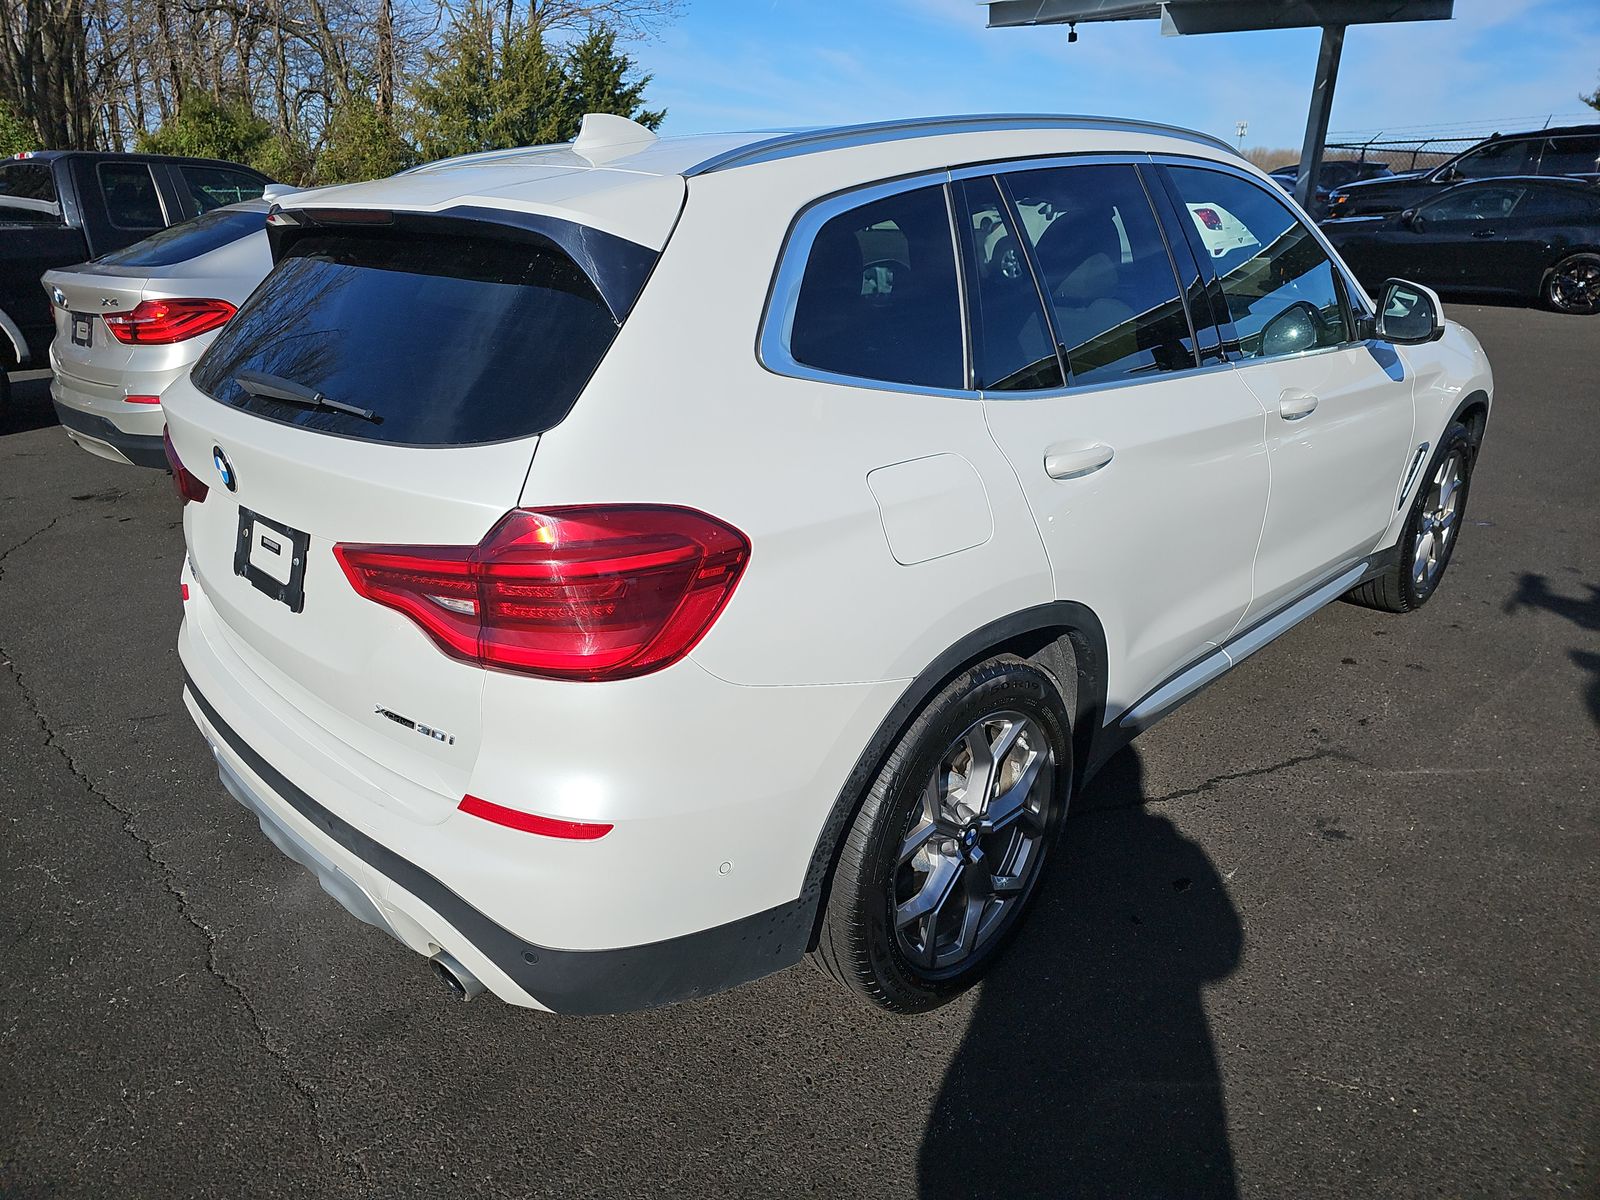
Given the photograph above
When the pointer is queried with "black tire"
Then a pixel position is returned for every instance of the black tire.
(1400, 589)
(858, 944)
(1573, 285)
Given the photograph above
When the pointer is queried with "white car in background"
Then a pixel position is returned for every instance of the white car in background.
(618, 569)
(130, 322)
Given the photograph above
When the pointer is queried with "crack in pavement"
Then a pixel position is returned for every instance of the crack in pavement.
(1217, 781)
(168, 878)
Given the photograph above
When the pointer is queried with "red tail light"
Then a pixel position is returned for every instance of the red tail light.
(186, 481)
(162, 322)
(591, 592)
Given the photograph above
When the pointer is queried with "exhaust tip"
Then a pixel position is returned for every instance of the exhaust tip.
(463, 984)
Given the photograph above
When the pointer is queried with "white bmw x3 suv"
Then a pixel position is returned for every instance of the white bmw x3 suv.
(618, 569)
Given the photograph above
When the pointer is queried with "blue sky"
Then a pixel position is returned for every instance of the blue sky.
(736, 64)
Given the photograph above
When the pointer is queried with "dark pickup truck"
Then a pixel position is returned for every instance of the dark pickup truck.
(59, 207)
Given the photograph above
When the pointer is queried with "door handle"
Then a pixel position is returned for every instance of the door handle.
(1294, 404)
(1483, 233)
(1072, 462)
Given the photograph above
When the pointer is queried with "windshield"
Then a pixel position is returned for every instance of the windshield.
(179, 243)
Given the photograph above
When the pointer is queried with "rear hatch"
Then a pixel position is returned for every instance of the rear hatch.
(220, 256)
(386, 385)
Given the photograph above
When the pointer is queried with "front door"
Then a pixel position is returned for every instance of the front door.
(1147, 475)
(1338, 410)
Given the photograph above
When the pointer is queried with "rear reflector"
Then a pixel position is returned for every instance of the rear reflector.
(162, 322)
(591, 592)
(512, 818)
(143, 399)
(186, 481)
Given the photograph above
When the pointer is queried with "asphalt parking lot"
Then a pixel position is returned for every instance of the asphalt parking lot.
(1331, 930)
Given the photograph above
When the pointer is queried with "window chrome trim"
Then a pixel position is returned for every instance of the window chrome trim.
(816, 141)
(1353, 288)
(1074, 390)
(783, 295)
(1046, 162)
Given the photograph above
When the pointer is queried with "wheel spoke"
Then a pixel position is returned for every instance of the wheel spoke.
(971, 919)
(1005, 809)
(931, 896)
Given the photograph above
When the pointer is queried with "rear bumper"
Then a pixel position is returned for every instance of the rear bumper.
(385, 889)
(98, 435)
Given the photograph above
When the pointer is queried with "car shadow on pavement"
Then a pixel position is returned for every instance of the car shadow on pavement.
(1533, 591)
(30, 403)
(1088, 1067)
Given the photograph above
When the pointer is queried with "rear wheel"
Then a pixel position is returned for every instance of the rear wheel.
(1431, 530)
(950, 842)
(1573, 285)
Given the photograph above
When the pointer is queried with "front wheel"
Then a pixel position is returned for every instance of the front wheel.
(951, 839)
(1573, 285)
(1431, 531)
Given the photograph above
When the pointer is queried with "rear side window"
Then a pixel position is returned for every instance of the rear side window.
(1279, 285)
(1012, 346)
(1475, 203)
(130, 195)
(446, 339)
(28, 194)
(1104, 267)
(212, 187)
(879, 298)
(1571, 155)
(179, 243)
(1498, 159)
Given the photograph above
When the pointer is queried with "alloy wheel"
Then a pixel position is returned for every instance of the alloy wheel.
(1437, 523)
(1575, 285)
(973, 845)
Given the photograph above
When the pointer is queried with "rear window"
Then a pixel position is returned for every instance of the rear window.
(179, 243)
(446, 340)
(28, 195)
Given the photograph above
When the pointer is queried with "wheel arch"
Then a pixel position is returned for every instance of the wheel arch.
(1473, 412)
(1063, 638)
(13, 335)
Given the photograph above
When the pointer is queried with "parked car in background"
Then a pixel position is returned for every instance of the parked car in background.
(508, 588)
(1568, 150)
(59, 207)
(134, 320)
(1532, 237)
(1335, 173)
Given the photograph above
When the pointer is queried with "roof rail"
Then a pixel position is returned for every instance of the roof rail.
(815, 141)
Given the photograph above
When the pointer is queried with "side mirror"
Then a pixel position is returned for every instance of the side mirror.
(1408, 314)
(1411, 219)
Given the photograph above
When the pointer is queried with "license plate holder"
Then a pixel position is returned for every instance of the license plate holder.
(82, 329)
(272, 558)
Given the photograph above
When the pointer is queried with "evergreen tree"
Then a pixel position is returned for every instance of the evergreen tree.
(205, 127)
(597, 81)
(361, 143)
(1592, 99)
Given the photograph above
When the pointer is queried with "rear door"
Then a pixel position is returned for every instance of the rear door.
(1464, 238)
(1146, 471)
(459, 348)
(1339, 412)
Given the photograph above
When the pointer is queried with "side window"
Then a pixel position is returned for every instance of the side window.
(1475, 203)
(130, 195)
(212, 187)
(1105, 271)
(1012, 346)
(879, 297)
(1279, 285)
(1559, 204)
(1571, 155)
(1498, 159)
(28, 195)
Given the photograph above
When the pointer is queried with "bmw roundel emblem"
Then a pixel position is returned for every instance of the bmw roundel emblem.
(224, 469)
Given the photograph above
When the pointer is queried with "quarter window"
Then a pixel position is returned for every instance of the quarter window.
(1012, 347)
(1570, 156)
(1104, 267)
(879, 298)
(28, 195)
(131, 199)
(1280, 286)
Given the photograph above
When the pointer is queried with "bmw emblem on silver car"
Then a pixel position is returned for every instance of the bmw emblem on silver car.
(224, 469)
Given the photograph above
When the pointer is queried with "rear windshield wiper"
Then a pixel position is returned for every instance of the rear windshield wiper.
(276, 387)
